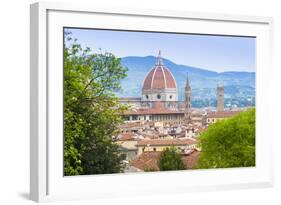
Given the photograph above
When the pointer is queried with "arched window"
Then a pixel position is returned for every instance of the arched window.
(158, 96)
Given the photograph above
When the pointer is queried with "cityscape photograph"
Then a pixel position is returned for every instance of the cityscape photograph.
(138, 101)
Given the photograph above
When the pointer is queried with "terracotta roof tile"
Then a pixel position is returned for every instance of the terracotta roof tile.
(126, 136)
(163, 142)
(155, 110)
(130, 125)
(191, 160)
(222, 114)
(149, 160)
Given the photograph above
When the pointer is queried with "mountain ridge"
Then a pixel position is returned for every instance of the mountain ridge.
(199, 78)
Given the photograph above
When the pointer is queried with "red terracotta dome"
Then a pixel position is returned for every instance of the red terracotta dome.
(159, 77)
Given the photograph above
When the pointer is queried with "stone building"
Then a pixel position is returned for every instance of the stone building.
(187, 109)
(213, 117)
(159, 101)
(159, 98)
(158, 120)
(220, 98)
(183, 145)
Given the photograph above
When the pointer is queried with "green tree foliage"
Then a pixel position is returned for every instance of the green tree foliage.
(148, 169)
(229, 143)
(170, 159)
(91, 110)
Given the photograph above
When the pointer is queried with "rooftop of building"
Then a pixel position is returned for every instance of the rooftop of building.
(222, 114)
(157, 108)
(128, 136)
(166, 142)
(130, 125)
(149, 160)
(129, 99)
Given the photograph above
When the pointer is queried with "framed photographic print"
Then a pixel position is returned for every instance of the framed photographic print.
(133, 102)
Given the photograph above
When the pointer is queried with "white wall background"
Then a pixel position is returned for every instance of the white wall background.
(14, 101)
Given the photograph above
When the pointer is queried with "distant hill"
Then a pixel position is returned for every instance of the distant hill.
(203, 81)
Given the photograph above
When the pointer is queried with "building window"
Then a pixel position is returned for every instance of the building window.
(147, 96)
(171, 96)
(154, 149)
(126, 118)
(158, 96)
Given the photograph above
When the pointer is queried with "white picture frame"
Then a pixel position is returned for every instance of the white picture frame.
(47, 182)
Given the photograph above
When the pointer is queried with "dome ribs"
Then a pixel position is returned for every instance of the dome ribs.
(159, 77)
(158, 81)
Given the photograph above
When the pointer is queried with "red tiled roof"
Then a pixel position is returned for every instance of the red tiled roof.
(163, 142)
(126, 136)
(222, 114)
(149, 160)
(130, 125)
(154, 110)
(191, 160)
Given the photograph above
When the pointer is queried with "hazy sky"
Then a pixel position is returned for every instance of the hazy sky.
(216, 53)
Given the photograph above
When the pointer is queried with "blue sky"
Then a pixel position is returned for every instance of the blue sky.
(216, 53)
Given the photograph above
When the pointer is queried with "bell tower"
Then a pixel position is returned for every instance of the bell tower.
(187, 109)
(220, 98)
